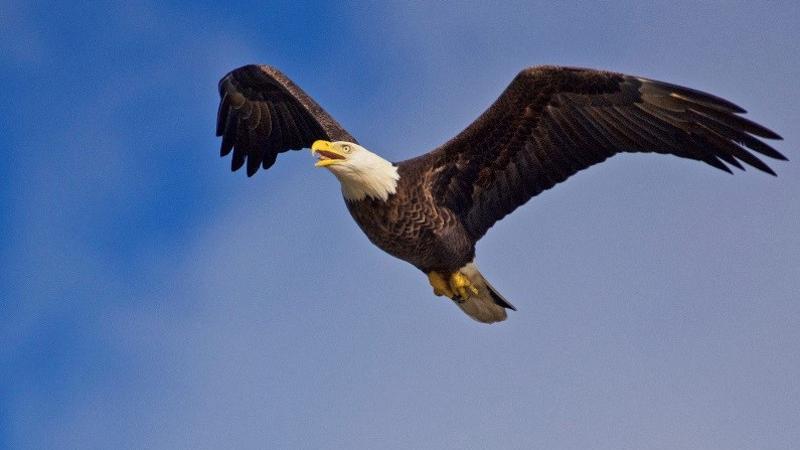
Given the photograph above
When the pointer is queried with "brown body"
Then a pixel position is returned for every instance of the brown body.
(410, 225)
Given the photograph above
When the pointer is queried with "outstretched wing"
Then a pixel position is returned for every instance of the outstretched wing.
(263, 113)
(552, 122)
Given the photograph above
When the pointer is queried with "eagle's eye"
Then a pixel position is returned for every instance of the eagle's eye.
(346, 148)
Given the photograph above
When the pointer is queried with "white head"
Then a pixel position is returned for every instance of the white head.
(361, 172)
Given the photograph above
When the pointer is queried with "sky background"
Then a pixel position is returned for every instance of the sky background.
(151, 299)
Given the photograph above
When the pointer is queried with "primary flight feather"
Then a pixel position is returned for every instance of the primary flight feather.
(548, 124)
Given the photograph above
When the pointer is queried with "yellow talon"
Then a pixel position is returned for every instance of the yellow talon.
(440, 286)
(457, 286)
(461, 286)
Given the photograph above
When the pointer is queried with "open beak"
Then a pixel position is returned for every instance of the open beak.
(326, 154)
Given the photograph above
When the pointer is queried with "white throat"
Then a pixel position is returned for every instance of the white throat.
(367, 175)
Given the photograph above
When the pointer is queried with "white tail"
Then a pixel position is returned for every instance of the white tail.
(487, 306)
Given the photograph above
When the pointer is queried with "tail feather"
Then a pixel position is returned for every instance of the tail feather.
(498, 298)
(487, 306)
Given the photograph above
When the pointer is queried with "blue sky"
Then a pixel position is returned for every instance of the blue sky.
(152, 299)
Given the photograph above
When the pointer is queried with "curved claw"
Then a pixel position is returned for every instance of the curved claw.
(440, 285)
(461, 286)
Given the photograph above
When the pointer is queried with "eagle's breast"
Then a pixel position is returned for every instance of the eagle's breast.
(411, 226)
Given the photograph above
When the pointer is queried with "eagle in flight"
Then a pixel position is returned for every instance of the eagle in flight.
(548, 124)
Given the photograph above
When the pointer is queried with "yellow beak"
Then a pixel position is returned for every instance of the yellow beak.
(328, 153)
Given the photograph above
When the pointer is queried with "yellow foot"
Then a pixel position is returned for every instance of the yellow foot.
(461, 286)
(440, 285)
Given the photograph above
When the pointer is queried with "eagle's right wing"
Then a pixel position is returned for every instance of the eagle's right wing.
(552, 122)
(263, 113)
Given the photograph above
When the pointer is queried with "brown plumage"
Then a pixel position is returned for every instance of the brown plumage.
(548, 124)
(263, 113)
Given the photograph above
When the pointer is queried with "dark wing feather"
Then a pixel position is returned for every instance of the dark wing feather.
(552, 122)
(263, 113)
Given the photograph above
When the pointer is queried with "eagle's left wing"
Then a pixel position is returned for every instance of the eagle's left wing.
(552, 122)
(263, 113)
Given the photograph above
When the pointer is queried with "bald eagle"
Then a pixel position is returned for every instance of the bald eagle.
(548, 124)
